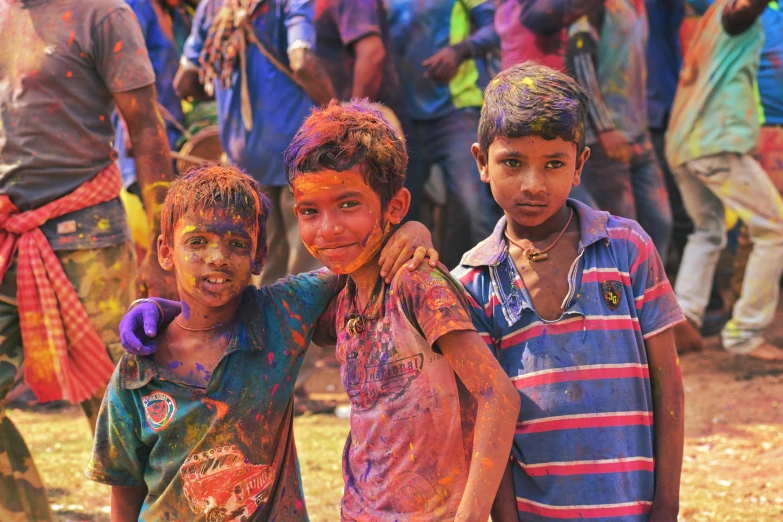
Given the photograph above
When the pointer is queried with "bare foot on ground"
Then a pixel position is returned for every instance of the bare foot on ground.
(767, 352)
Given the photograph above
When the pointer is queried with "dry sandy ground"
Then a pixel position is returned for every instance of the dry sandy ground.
(733, 451)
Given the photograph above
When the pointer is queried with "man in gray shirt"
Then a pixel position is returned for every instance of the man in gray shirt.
(66, 260)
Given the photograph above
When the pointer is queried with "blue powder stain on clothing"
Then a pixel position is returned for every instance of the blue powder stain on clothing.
(175, 364)
(203, 370)
(366, 471)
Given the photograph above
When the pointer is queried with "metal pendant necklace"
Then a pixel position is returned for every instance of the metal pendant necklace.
(214, 326)
(534, 254)
(356, 322)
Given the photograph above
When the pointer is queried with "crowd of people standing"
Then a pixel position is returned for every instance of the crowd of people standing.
(95, 94)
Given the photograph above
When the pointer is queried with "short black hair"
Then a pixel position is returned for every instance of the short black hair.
(208, 186)
(343, 135)
(531, 99)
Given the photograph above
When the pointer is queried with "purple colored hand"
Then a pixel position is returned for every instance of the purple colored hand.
(138, 329)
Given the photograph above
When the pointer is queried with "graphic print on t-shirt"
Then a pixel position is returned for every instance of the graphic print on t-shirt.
(378, 369)
(221, 484)
(159, 408)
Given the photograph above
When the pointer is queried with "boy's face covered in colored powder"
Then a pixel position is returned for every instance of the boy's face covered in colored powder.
(531, 177)
(213, 253)
(340, 218)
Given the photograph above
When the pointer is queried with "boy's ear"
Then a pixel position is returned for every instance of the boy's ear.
(481, 162)
(165, 254)
(580, 164)
(260, 259)
(398, 206)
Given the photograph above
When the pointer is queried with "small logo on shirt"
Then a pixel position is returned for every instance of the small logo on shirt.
(159, 408)
(613, 292)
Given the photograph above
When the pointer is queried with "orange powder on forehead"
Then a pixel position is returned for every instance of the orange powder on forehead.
(311, 185)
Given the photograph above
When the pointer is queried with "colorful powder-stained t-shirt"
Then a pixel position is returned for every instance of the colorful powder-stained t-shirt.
(421, 28)
(279, 105)
(225, 452)
(715, 108)
(583, 447)
(408, 452)
(61, 64)
(770, 75)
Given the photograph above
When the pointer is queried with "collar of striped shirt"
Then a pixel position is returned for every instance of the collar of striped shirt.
(491, 251)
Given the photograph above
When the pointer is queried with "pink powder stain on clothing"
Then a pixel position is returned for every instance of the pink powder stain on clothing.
(271, 357)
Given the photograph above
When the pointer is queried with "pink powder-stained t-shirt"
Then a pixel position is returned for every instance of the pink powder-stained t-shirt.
(519, 44)
(408, 453)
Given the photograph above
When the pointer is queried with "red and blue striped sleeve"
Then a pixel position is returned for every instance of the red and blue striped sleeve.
(474, 280)
(656, 304)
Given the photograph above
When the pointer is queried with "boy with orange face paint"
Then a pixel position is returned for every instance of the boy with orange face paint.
(432, 411)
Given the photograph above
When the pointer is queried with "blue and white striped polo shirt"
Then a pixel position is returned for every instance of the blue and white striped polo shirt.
(584, 440)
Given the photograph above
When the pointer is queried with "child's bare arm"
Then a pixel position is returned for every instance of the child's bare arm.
(126, 503)
(504, 509)
(668, 418)
(498, 409)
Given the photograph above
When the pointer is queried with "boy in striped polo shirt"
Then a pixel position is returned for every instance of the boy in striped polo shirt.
(577, 308)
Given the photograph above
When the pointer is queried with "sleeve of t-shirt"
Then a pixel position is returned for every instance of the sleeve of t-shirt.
(433, 301)
(478, 295)
(313, 293)
(325, 332)
(581, 61)
(656, 304)
(198, 32)
(119, 53)
(300, 21)
(357, 19)
(484, 38)
(118, 455)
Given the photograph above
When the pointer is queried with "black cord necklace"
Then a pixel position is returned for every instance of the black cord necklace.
(356, 321)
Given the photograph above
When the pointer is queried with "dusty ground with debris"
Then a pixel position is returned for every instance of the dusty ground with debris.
(733, 452)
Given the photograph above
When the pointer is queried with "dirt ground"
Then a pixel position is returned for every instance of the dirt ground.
(731, 471)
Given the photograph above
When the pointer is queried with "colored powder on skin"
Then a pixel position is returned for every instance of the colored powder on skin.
(372, 243)
(174, 364)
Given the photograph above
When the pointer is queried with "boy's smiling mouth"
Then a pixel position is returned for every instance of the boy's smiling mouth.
(216, 278)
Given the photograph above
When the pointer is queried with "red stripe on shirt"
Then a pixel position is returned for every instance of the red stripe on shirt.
(642, 247)
(594, 276)
(654, 292)
(581, 374)
(603, 511)
(589, 323)
(574, 422)
(589, 468)
(470, 276)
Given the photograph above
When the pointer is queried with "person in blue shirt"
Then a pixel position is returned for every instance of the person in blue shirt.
(260, 105)
(165, 25)
(439, 47)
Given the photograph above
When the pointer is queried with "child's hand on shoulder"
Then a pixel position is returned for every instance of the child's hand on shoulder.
(411, 244)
